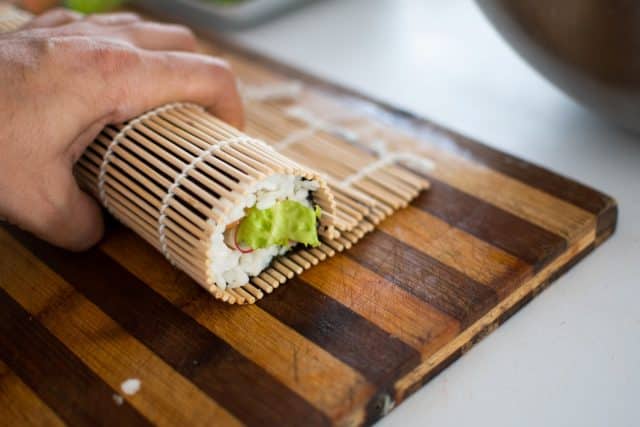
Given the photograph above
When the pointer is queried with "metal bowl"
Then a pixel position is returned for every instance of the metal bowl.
(588, 48)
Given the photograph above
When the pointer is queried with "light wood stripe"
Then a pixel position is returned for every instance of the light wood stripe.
(298, 363)
(391, 308)
(100, 342)
(20, 406)
(460, 250)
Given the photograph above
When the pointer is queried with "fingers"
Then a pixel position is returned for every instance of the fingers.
(114, 18)
(128, 28)
(163, 77)
(156, 36)
(59, 16)
(54, 18)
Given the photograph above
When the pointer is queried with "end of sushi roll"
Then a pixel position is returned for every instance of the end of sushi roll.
(275, 215)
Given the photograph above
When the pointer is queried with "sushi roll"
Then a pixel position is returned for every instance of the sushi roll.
(277, 214)
(218, 204)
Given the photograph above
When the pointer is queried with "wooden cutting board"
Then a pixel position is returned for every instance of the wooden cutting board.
(342, 344)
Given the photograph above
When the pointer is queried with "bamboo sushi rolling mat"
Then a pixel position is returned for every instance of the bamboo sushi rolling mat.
(342, 343)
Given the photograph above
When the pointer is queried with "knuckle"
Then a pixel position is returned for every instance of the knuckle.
(111, 58)
(41, 51)
(42, 46)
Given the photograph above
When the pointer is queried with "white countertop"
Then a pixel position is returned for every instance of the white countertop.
(572, 356)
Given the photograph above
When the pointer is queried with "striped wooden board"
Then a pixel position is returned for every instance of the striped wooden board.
(341, 344)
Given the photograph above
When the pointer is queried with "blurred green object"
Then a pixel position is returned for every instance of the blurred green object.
(92, 6)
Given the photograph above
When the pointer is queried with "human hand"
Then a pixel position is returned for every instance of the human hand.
(64, 77)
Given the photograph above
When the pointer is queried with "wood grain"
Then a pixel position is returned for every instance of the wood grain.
(103, 345)
(19, 405)
(306, 368)
(458, 249)
(435, 283)
(555, 215)
(393, 309)
(239, 384)
(55, 374)
(345, 334)
(524, 240)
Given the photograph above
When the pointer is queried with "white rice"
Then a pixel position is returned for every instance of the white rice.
(231, 268)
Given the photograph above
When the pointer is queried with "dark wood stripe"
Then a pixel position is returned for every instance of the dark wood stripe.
(235, 382)
(436, 283)
(607, 222)
(55, 374)
(524, 240)
(379, 356)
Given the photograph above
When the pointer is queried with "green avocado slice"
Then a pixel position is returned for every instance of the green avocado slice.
(285, 221)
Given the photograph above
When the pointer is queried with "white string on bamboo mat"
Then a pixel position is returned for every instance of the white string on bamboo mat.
(114, 143)
(314, 124)
(413, 161)
(377, 145)
(326, 124)
(282, 91)
(166, 200)
(294, 137)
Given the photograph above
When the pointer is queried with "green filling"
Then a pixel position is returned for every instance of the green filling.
(92, 6)
(285, 221)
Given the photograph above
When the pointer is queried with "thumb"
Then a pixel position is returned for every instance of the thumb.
(70, 217)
